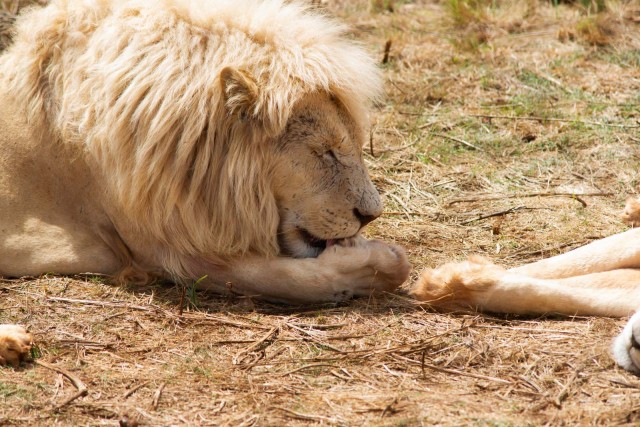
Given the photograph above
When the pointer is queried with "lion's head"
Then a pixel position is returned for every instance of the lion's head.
(221, 128)
(316, 171)
(322, 188)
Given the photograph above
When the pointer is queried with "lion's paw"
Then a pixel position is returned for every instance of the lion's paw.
(368, 265)
(456, 285)
(631, 212)
(626, 347)
(390, 265)
(15, 344)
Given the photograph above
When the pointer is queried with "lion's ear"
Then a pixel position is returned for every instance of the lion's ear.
(240, 92)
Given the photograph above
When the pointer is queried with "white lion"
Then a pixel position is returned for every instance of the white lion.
(178, 139)
(599, 279)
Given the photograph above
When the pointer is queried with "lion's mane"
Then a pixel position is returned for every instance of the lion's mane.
(137, 83)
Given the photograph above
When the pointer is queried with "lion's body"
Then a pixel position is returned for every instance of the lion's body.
(599, 279)
(136, 84)
(180, 138)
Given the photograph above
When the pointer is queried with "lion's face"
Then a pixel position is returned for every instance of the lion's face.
(320, 182)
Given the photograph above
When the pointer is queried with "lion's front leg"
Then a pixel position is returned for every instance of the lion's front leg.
(15, 344)
(626, 347)
(338, 274)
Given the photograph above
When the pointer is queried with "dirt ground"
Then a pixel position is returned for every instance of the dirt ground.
(509, 129)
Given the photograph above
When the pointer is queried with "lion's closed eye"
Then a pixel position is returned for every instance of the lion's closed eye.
(331, 155)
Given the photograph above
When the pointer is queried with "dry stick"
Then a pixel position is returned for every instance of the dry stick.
(256, 345)
(315, 339)
(302, 368)
(387, 50)
(462, 373)
(500, 213)
(100, 303)
(406, 213)
(305, 416)
(402, 147)
(564, 392)
(555, 248)
(133, 390)
(321, 326)
(401, 203)
(525, 195)
(371, 141)
(624, 383)
(389, 408)
(541, 331)
(461, 141)
(79, 385)
(552, 119)
(157, 395)
(158, 310)
(182, 295)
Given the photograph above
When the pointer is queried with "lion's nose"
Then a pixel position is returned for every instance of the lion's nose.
(364, 218)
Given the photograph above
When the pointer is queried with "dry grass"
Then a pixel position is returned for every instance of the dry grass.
(523, 120)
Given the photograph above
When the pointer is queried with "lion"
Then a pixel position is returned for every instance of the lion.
(187, 138)
(598, 279)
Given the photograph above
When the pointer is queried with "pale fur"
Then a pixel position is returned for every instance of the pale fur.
(184, 138)
(600, 279)
(15, 344)
(91, 79)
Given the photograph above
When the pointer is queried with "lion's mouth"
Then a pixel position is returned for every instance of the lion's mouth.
(316, 242)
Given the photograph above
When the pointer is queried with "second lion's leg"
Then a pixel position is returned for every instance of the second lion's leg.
(615, 252)
(478, 284)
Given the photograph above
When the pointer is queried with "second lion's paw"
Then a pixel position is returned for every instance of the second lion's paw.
(15, 344)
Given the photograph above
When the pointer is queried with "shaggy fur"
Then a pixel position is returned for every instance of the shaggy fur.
(89, 71)
(183, 139)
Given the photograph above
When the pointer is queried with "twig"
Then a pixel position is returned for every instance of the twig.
(540, 331)
(133, 390)
(500, 213)
(564, 392)
(461, 141)
(401, 203)
(406, 213)
(302, 368)
(387, 50)
(157, 395)
(464, 374)
(79, 385)
(258, 345)
(389, 409)
(315, 339)
(182, 295)
(402, 147)
(553, 119)
(99, 303)
(525, 195)
(307, 417)
(555, 248)
(200, 316)
(624, 383)
(371, 142)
